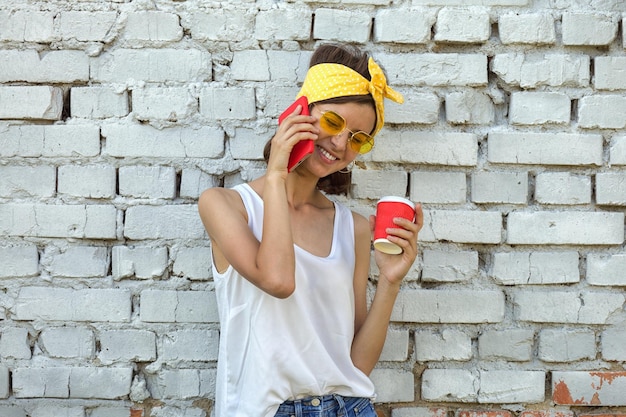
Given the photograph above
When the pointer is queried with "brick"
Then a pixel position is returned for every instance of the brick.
(245, 144)
(138, 262)
(342, 25)
(471, 25)
(51, 67)
(612, 344)
(228, 25)
(14, 343)
(544, 148)
(562, 188)
(48, 382)
(513, 345)
(499, 187)
(31, 102)
(551, 412)
(514, 28)
(438, 187)
(581, 28)
(418, 107)
(283, 24)
(563, 227)
(60, 304)
(609, 72)
(435, 70)
(154, 222)
(571, 307)
(127, 346)
(193, 263)
(469, 107)
(396, 346)
(533, 108)
(617, 150)
(611, 188)
(147, 181)
(11, 410)
(558, 345)
(250, 66)
(105, 411)
(182, 384)
(449, 306)
(163, 103)
(449, 266)
(462, 226)
(472, 2)
(370, 184)
(505, 387)
(153, 26)
(189, 345)
(19, 260)
(76, 221)
(168, 306)
(596, 388)
(27, 26)
(87, 26)
(419, 412)
(393, 385)
(535, 268)
(450, 385)
(602, 111)
(535, 70)
(98, 102)
(58, 410)
(35, 181)
(49, 140)
(67, 342)
(151, 65)
(446, 345)
(606, 269)
(89, 181)
(61, 261)
(218, 103)
(429, 148)
(194, 181)
(172, 142)
(481, 413)
(105, 383)
(403, 26)
(290, 67)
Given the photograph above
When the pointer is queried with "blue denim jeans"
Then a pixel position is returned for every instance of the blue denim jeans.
(327, 406)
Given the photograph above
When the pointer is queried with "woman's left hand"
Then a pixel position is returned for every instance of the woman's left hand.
(393, 268)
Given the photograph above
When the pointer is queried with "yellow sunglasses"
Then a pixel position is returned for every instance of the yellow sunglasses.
(335, 124)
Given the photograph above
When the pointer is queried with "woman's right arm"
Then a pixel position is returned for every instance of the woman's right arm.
(270, 264)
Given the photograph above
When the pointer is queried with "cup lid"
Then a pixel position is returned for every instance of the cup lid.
(396, 199)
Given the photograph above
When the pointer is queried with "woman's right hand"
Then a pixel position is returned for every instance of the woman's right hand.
(293, 129)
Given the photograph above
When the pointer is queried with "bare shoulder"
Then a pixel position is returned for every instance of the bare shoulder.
(217, 202)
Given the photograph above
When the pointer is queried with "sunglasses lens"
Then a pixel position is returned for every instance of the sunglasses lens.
(361, 142)
(332, 123)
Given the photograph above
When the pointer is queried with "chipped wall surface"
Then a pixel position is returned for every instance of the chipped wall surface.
(116, 115)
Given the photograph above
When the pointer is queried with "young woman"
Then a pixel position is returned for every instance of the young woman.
(291, 266)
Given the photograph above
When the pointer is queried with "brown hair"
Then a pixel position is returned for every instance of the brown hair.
(352, 57)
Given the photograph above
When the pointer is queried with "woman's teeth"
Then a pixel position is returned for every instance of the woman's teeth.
(327, 155)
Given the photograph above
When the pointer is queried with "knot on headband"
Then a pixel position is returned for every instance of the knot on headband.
(328, 80)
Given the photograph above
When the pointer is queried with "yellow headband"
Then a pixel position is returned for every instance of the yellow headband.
(324, 81)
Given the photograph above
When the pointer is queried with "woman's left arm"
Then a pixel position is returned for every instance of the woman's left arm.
(371, 326)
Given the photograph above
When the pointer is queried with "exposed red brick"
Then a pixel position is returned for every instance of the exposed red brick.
(561, 394)
(134, 412)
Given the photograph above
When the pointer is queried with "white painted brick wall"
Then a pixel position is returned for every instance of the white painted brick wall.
(115, 116)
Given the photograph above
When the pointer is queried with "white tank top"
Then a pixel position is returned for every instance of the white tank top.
(272, 350)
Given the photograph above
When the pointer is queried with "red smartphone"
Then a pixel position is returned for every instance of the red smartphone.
(304, 148)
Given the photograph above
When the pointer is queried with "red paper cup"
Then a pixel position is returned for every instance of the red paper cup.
(386, 209)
